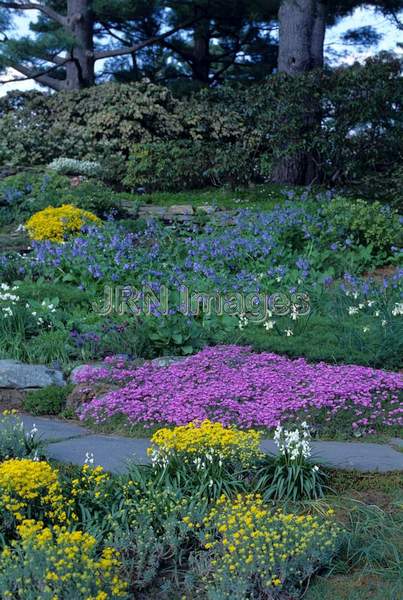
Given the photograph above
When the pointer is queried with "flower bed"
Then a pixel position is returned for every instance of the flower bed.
(202, 519)
(233, 385)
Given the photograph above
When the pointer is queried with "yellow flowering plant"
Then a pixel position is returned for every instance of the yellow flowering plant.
(30, 489)
(257, 552)
(57, 223)
(205, 456)
(203, 438)
(56, 563)
(90, 488)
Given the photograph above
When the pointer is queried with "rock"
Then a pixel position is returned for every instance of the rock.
(165, 361)
(130, 363)
(77, 369)
(151, 211)
(180, 209)
(17, 375)
(76, 180)
(11, 398)
(14, 242)
(85, 392)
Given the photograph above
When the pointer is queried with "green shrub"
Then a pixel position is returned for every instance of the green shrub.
(47, 401)
(366, 224)
(226, 135)
(93, 124)
(28, 192)
(72, 166)
(24, 194)
(169, 166)
(189, 164)
(94, 196)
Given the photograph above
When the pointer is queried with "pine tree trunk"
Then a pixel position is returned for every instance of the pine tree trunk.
(302, 33)
(201, 52)
(80, 71)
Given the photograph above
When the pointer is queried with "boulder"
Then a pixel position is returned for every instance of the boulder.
(165, 361)
(85, 392)
(11, 398)
(21, 376)
(130, 363)
(76, 370)
(180, 209)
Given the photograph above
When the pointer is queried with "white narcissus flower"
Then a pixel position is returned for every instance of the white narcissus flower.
(294, 443)
(243, 321)
(89, 458)
(398, 309)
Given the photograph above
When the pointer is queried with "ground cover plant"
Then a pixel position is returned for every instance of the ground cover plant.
(232, 384)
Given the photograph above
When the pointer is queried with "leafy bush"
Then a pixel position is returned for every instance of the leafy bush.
(98, 124)
(227, 135)
(168, 165)
(47, 401)
(95, 197)
(72, 166)
(188, 164)
(26, 193)
(366, 224)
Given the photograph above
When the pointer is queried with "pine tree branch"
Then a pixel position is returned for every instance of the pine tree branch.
(152, 40)
(49, 12)
(396, 20)
(41, 76)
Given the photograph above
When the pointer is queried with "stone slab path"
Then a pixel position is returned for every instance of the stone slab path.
(68, 442)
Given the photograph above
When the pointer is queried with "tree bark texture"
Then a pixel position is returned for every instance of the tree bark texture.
(80, 71)
(301, 48)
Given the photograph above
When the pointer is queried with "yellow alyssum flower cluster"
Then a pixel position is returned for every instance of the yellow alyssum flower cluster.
(201, 438)
(92, 483)
(27, 485)
(56, 223)
(249, 540)
(69, 559)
